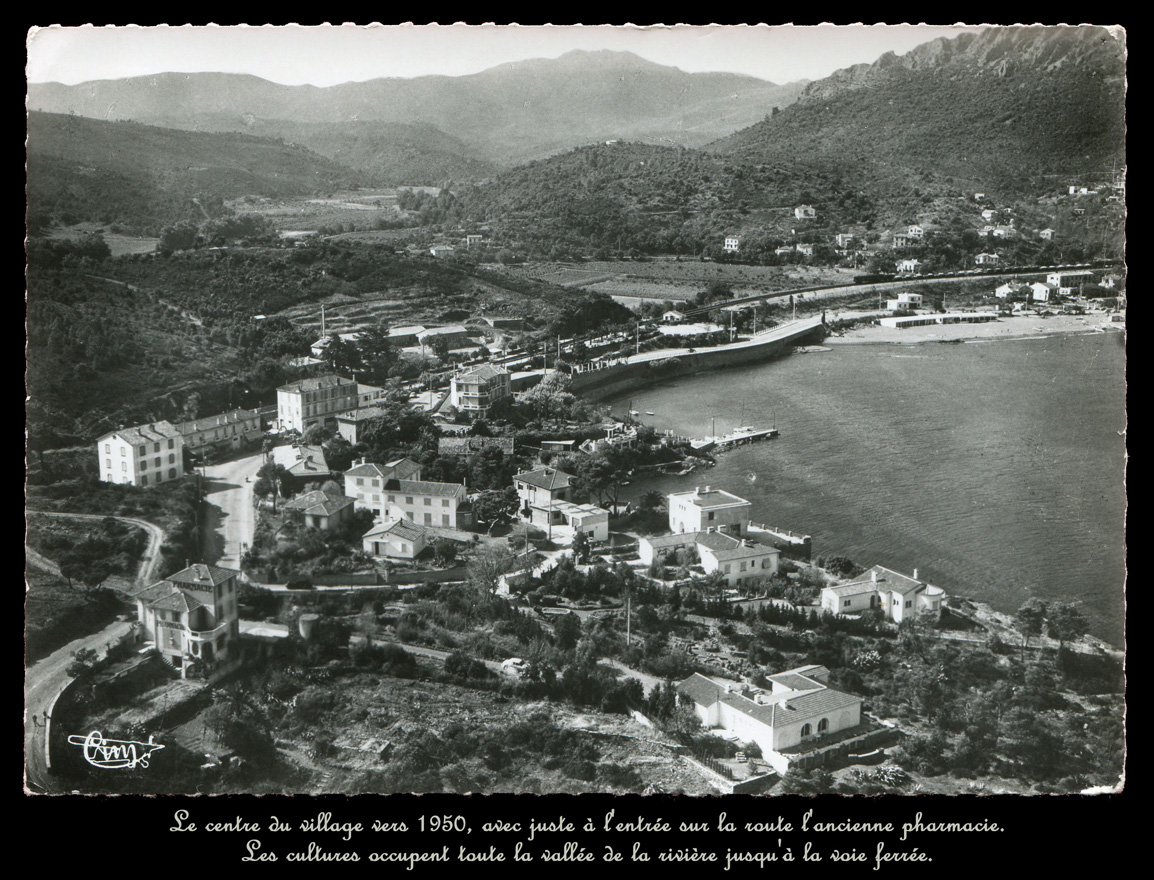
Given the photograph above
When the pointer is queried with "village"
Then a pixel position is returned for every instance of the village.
(313, 528)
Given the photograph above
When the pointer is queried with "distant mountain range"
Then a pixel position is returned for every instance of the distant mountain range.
(1002, 106)
(510, 113)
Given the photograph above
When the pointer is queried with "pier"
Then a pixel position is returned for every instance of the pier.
(736, 437)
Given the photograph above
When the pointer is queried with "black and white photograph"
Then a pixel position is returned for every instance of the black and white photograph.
(679, 410)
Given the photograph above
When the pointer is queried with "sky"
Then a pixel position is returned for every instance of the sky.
(328, 55)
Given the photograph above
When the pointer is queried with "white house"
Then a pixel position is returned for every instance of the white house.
(797, 721)
(307, 402)
(1067, 283)
(475, 391)
(1007, 289)
(806, 249)
(365, 481)
(915, 231)
(897, 596)
(672, 316)
(804, 212)
(742, 562)
(146, 455)
(1046, 234)
(1040, 292)
(986, 259)
(911, 266)
(707, 508)
(844, 239)
(905, 302)
(192, 615)
(395, 539)
(989, 214)
(538, 490)
(732, 244)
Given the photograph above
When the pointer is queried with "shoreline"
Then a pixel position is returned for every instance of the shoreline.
(1003, 329)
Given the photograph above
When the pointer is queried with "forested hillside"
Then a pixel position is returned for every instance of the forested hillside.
(142, 177)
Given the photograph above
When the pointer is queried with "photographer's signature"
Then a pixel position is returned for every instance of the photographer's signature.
(115, 754)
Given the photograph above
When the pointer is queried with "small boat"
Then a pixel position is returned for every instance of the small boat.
(650, 412)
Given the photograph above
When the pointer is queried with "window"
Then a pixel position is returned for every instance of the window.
(123, 452)
(144, 450)
(376, 484)
(743, 566)
(847, 603)
(428, 502)
(823, 725)
(144, 481)
(428, 519)
(404, 548)
(360, 481)
(445, 519)
(711, 516)
(408, 499)
(124, 467)
(156, 461)
(728, 567)
(909, 602)
(108, 463)
(360, 496)
(392, 499)
(806, 729)
(444, 502)
(171, 444)
(156, 447)
(108, 447)
(172, 473)
(144, 464)
(172, 458)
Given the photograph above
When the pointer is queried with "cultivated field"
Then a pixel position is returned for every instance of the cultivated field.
(676, 279)
(361, 208)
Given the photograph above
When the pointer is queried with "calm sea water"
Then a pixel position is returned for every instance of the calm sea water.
(995, 468)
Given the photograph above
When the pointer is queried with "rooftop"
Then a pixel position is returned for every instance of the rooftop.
(228, 418)
(707, 498)
(319, 503)
(150, 433)
(330, 380)
(483, 373)
(400, 528)
(881, 578)
(545, 478)
(809, 699)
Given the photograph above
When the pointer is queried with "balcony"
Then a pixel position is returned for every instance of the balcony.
(207, 635)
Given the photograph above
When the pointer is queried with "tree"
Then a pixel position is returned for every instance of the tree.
(273, 478)
(652, 500)
(1029, 620)
(495, 506)
(241, 725)
(179, 237)
(1066, 623)
(487, 566)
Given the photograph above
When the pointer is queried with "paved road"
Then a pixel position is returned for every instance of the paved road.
(231, 518)
(44, 680)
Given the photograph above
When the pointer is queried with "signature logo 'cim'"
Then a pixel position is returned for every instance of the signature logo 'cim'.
(115, 754)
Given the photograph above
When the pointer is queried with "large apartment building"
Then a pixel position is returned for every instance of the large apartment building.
(308, 402)
(146, 455)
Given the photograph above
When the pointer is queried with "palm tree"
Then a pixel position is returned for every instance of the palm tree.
(652, 500)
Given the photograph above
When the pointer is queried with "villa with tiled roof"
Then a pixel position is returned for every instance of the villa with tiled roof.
(798, 721)
(895, 595)
(192, 615)
(321, 510)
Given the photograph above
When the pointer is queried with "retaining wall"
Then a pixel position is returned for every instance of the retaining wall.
(606, 382)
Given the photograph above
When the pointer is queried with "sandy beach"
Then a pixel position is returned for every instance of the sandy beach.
(1018, 327)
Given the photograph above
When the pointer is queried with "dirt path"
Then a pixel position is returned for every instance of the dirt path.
(146, 573)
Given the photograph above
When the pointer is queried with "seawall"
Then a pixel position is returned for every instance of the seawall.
(611, 380)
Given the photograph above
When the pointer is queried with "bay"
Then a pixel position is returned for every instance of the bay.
(996, 469)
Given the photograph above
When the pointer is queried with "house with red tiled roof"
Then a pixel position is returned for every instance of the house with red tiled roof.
(192, 615)
(799, 720)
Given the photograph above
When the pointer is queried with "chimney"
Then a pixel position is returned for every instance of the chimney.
(706, 490)
(874, 576)
(915, 574)
(696, 490)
